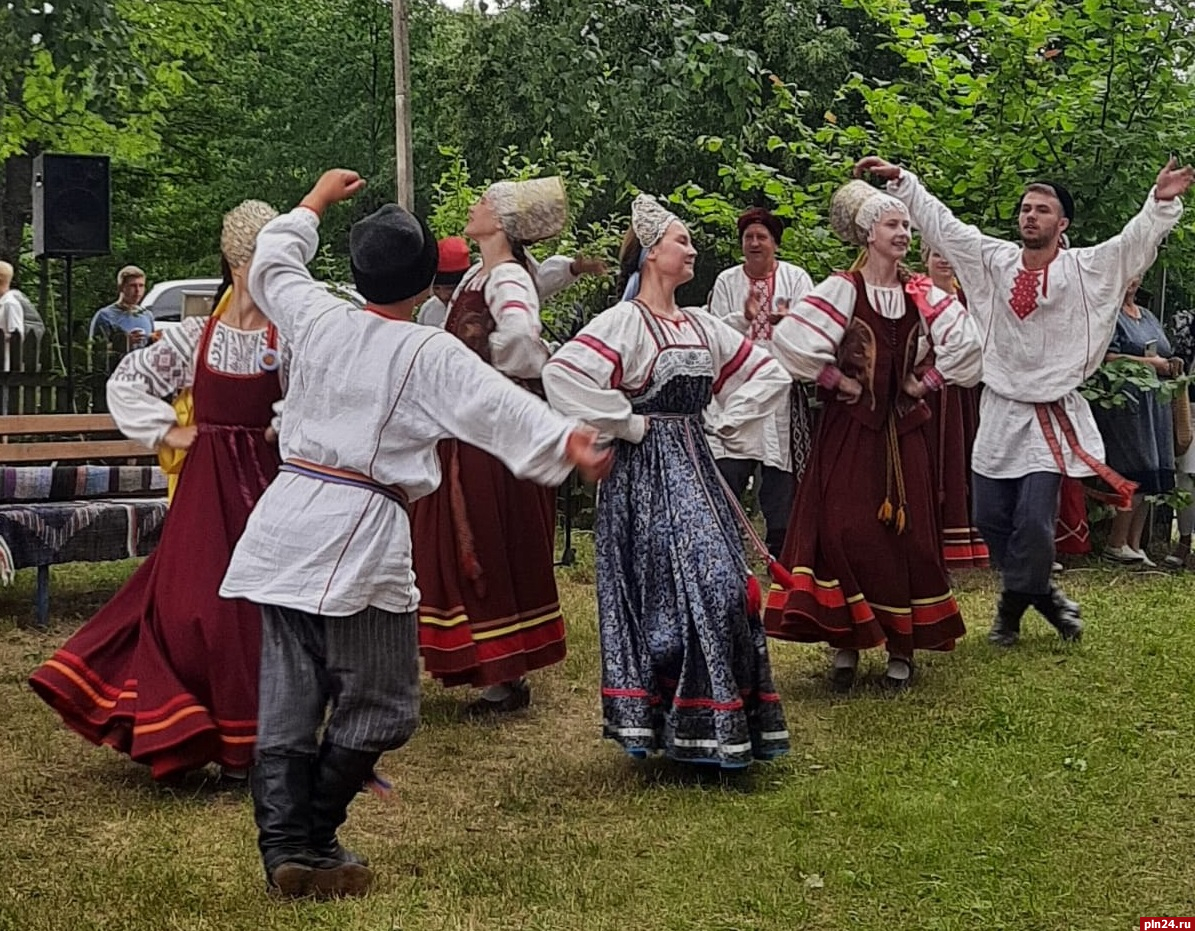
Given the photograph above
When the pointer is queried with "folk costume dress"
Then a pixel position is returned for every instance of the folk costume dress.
(167, 671)
(1139, 436)
(954, 421)
(864, 545)
(685, 668)
(483, 542)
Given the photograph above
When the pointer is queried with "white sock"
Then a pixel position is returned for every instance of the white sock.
(899, 668)
(496, 693)
(846, 659)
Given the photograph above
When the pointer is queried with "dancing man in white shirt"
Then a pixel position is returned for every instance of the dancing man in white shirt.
(327, 550)
(1047, 315)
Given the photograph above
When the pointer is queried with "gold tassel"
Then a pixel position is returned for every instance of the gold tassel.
(901, 521)
(885, 513)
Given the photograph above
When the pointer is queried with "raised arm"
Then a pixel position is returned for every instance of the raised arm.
(1134, 249)
(515, 346)
(279, 281)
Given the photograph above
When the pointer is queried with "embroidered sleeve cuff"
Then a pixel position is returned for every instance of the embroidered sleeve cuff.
(933, 380)
(829, 377)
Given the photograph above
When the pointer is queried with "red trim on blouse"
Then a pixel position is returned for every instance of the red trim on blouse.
(736, 362)
(610, 355)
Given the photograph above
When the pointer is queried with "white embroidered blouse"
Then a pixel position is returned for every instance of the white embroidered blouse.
(143, 379)
(594, 376)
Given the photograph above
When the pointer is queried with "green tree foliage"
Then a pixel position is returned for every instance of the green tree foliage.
(722, 102)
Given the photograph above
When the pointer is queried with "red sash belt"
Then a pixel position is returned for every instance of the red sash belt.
(1122, 489)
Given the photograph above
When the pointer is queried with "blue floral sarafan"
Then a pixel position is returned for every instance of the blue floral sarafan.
(685, 668)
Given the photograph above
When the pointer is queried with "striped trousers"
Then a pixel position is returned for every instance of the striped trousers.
(361, 672)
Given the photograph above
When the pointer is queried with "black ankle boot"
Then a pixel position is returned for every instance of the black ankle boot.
(1061, 612)
(1006, 628)
(340, 774)
(281, 788)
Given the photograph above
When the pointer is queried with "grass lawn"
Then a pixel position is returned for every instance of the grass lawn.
(1047, 787)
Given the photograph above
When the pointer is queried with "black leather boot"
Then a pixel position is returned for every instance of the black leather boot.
(340, 774)
(1006, 627)
(281, 787)
(1061, 612)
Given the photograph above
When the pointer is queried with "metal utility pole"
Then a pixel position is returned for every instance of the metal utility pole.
(404, 168)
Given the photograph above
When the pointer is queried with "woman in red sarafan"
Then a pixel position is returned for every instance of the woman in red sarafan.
(955, 411)
(484, 541)
(167, 671)
(863, 543)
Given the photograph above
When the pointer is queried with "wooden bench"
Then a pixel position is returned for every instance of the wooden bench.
(108, 504)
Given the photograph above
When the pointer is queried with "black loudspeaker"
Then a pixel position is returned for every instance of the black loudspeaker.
(71, 206)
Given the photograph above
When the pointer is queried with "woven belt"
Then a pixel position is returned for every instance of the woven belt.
(345, 477)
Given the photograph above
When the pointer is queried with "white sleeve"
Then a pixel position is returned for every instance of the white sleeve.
(721, 304)
(13, 314)
(803, 284)
(471, 401)
(145, 376)
(1128, 254)
(963, 245)
(957, 342)
(806, 340)
(279, 281)
(584, 378)
(553, 275)
(286, 355)
(515, 346)
(748, 382)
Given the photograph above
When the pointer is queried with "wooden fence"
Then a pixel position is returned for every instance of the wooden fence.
(32, 379)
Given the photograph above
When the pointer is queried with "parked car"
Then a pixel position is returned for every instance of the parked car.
(165, 299)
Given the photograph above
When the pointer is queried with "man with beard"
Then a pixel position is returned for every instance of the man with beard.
(1047, 315)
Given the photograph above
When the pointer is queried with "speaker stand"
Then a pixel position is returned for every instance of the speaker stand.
(70, 338)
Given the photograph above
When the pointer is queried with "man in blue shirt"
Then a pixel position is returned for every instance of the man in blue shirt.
(125, 315)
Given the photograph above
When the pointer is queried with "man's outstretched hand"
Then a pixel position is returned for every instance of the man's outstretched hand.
(582, 450)
(333, 186)
(874, 165)
(1174, 181)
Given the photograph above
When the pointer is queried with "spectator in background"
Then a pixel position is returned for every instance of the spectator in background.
(17, 313)
(125, 316)
(752, 298)
(1139, 435)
